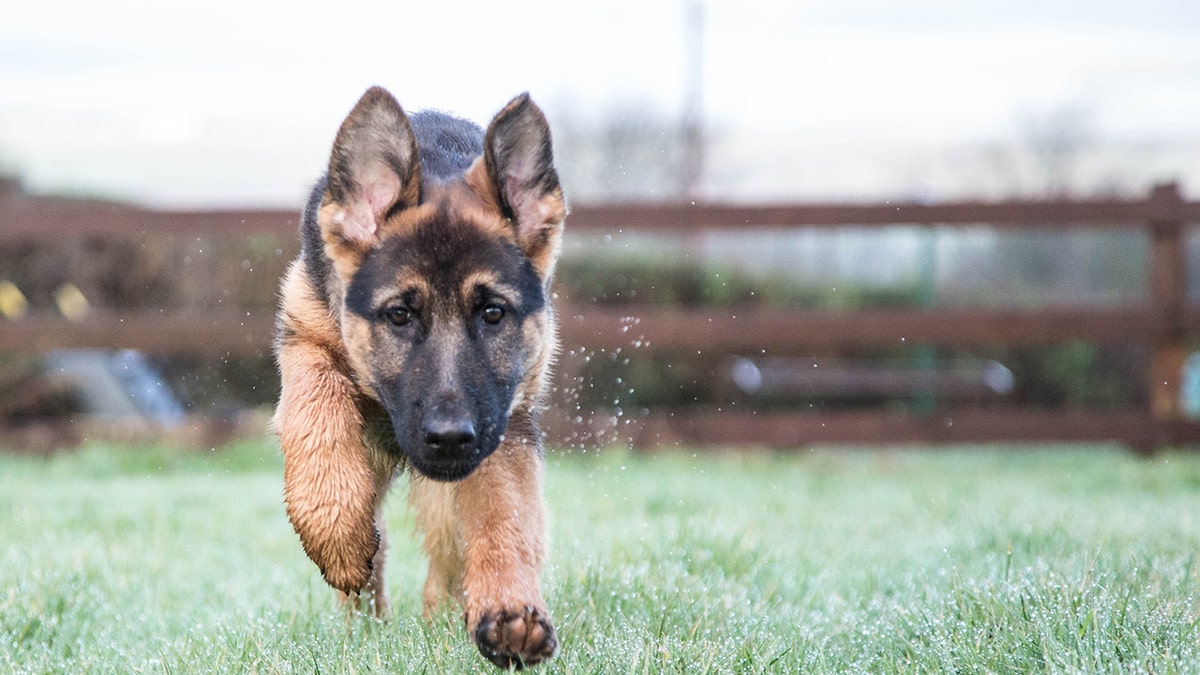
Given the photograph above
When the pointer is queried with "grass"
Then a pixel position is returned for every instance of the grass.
(961, 560)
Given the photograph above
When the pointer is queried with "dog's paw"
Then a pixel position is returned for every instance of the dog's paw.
(349, 566)
(515, 638)
(349, 578)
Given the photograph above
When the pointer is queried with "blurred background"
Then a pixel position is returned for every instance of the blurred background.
(233, 103)
(136, 136)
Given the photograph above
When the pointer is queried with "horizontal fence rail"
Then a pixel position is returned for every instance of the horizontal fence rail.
(779, 331)
(1163, 323)
(1137, 429)
(32, 217)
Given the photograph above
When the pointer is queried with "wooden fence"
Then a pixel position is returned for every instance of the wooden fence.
(1163, 322)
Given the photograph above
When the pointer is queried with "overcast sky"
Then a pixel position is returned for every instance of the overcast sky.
(235, 102)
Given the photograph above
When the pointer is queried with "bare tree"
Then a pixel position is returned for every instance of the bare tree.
(1055, 140)
(631, 152)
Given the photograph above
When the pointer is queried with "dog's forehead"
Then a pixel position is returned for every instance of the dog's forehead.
(441, 256)
(459, 201)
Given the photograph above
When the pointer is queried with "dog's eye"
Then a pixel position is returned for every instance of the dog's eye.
(398, 316)
(492, 314)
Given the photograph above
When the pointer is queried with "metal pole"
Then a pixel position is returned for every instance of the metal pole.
(693, 99)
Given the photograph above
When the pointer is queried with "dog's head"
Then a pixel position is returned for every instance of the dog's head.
(444, 281)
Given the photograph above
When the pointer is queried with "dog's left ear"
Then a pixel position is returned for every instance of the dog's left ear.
(520, 163)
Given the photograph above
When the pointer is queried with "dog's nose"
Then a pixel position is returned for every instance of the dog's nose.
(449, 433)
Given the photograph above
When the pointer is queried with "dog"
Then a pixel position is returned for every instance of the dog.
(416, 333)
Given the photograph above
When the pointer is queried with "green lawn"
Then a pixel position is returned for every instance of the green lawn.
(964, 560)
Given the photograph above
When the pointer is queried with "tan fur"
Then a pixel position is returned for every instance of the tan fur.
(466, 289)
(504, 524)
(333, 483)
(437, 519)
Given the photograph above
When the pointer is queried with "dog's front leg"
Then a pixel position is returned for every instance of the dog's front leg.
(330, 486)
(503, 521)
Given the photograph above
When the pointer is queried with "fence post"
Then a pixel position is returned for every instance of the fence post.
(1168, 290)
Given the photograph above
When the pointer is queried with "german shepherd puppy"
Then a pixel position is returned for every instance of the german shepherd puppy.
(415, 330)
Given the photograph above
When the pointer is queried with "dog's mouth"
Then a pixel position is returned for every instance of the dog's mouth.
(450, 456)
(442, 469)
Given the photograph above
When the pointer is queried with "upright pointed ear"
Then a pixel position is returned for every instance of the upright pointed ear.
(373, 169)
(520, 163)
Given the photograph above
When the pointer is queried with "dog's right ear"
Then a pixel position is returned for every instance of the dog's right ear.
(373, 170)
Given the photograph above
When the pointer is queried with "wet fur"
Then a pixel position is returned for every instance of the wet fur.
(430, 217)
